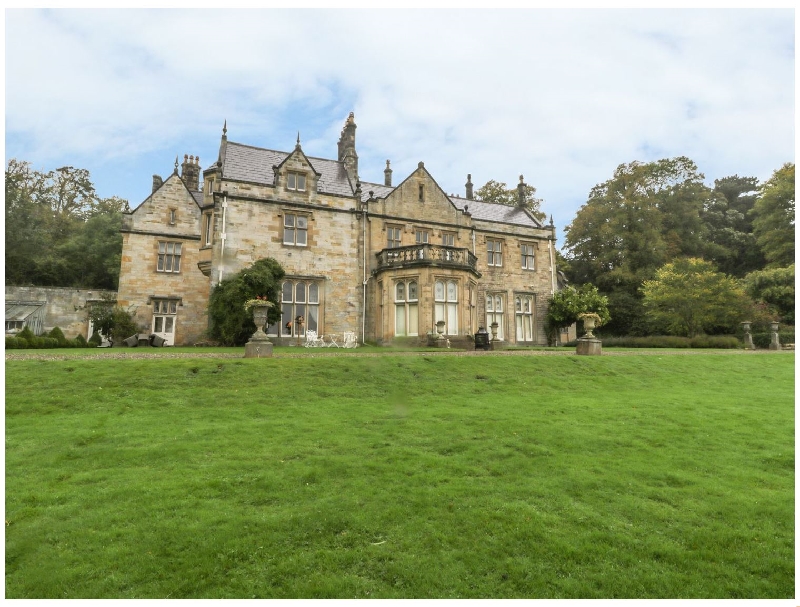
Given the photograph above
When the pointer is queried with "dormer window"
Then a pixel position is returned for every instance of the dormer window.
(296, 181)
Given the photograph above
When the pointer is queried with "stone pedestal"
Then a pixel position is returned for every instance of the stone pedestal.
(589, 346)
(258, 348)
(775, 342)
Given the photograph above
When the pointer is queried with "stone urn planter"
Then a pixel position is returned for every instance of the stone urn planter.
(440, 329)
(259, 345)
(589, 344)
(494, 326)
(748, 338)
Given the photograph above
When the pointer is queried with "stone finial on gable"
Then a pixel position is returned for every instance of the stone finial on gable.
(297, 145)
(157, 182)
(223, 144)
(175, 171)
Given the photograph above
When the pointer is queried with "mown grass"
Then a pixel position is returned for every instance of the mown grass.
(401, 476)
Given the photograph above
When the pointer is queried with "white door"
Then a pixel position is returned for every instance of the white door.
(164, 314)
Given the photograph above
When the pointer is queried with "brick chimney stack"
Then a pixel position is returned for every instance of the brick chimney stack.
(190, 172)
(521, 192)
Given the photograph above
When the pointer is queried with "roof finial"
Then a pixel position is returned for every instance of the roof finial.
(225, 128)
(297, 147)
(175, 172)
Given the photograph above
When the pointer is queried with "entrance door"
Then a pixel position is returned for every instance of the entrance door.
(164, 315)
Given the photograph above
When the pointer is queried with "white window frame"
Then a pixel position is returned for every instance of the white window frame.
(208, 228)
(391, 233)
(494, 251)
(528, 254)
(291, 226)
(445, 295)
(296, 181)
(523, 313)
(169, 257)
(495, 312)
(299, 297)
(406, 302)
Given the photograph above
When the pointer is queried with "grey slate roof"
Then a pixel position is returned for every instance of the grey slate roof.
(254, 165)
(490, 211)
(20, 310)
(378, 190)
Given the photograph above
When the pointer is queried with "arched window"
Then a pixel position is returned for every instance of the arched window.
(494, 312)
(446, 305)
(523, 307)
(406, 308)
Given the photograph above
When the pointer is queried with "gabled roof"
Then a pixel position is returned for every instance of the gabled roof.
(254, 165)
(499, 213)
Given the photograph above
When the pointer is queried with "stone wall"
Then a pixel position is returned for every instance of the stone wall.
(66, 308)
(169, 215)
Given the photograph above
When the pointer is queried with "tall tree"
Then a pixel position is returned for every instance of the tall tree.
(773, 218)
(58, 232)
(632, 224)
(498, 192)
(774, 287)
(731, 243)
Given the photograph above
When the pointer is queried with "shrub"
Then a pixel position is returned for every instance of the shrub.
(58, 335)
(95, 340)
(12, 343)
(26, 334)
(80, 342)
(763, 339)
(231, 323)
(674, 341)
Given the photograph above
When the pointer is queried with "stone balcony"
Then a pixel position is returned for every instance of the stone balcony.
(427, 255)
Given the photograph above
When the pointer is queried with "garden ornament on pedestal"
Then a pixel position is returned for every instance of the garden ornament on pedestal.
(259, 345)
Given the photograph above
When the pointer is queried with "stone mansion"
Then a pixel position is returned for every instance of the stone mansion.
(385, 261)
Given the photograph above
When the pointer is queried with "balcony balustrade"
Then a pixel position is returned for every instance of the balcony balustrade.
(427, 255)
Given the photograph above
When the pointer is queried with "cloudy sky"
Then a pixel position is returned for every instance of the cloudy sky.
(560, 96)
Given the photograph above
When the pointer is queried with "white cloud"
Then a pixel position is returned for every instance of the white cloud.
(560, 96)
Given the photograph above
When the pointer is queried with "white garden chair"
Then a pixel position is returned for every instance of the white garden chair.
(350, 340)
(313, 340)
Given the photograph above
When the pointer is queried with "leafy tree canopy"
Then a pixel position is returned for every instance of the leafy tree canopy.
(498, 192)
(58, 231)
(231, 323)
(689, 296)
(773, 218)
(774, 287)
(730, 243)
(112, 320)
(566, 304)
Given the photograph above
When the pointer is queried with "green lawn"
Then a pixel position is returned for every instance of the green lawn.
(660, 476)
